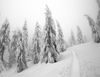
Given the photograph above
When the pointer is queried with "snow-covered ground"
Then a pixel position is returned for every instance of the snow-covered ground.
(78, 61)
(89, 59)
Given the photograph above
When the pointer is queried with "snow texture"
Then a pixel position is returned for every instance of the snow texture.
(78, 61)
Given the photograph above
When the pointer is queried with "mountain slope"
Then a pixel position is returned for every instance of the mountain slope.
(78, 61)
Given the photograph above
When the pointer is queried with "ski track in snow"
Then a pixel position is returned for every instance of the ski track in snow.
(72, 68)
(75, 67)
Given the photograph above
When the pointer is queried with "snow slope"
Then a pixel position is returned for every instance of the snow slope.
(75, 68)
(89, 59)
(78, 61)
(59, 69)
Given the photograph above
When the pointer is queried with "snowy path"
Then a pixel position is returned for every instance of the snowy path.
(75, 66)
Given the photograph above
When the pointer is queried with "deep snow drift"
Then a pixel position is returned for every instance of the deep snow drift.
(78, 61)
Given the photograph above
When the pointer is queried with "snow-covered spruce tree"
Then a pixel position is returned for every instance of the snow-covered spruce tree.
(98, 17)
(60, 40)
(36, 44)
(25, 36)
(72, 39)
(25, 41)
(21, 64)
(12, 56)
(4, 38)
(49, 53)
(79, 36)
(95, 29)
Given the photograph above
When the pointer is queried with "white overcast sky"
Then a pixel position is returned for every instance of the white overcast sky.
(68, 12)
